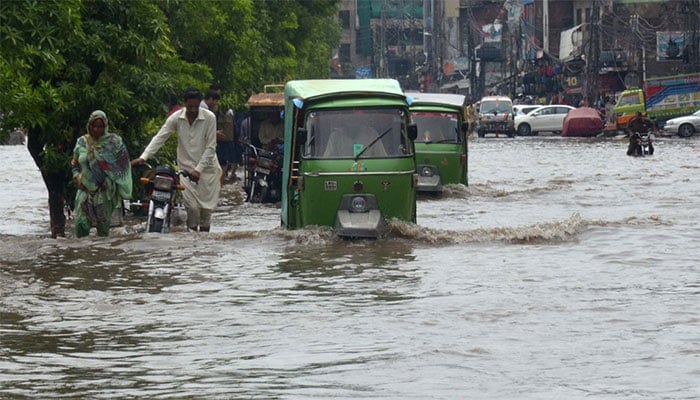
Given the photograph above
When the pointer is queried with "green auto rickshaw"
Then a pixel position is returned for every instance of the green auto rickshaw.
(441, 146)
(348, 156)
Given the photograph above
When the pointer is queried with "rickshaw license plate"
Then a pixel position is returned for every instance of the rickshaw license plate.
(330, 186)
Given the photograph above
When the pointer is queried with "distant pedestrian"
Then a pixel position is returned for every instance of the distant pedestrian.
(173, 105)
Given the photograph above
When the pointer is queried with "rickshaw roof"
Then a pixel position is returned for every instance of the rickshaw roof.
(451, 99)
(316, 88)
(266, 100)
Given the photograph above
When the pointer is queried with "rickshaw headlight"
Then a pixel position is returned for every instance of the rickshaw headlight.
(359, 204)
(426, 171)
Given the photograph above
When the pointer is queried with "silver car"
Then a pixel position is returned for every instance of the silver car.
(684, 126)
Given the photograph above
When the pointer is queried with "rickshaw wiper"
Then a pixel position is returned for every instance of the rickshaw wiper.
(453, 140)
(373, 142)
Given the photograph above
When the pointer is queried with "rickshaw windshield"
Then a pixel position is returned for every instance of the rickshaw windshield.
(436, 127)
(356, 133)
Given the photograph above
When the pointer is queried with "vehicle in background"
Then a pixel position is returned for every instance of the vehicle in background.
(522, 109)
(663, 98)
(261, 106)
(495, 116)
(349, 158)
(583, 122)
(263, 175)
(543, 119)
(441, 145)
(685, 126)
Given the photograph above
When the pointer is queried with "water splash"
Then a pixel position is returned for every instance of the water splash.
(546, 232)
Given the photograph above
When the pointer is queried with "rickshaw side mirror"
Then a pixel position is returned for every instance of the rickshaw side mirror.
(301, 135)
(465, 126)
(412, 131)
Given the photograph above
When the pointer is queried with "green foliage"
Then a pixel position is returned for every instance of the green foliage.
(251, 43)
(74, 57)
(62, 59)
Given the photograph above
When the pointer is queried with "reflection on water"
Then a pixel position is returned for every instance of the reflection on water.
(376, 273)
(564, 270)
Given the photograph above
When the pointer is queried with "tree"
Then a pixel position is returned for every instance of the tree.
(62, 59)
(250, 43)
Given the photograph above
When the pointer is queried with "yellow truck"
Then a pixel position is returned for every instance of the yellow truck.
(661, 99)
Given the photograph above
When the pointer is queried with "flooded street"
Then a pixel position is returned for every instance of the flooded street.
(565, 270)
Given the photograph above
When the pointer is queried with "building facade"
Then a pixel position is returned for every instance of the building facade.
(552, 50)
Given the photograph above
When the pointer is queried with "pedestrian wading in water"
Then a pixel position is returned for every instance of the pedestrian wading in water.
(196, 154)
(102, 173)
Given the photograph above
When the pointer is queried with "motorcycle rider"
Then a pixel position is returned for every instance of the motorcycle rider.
(639, 125)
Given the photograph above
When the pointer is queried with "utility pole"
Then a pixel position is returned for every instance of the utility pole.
(593, 61)
(545, 25)
(470, 50)
(382, 43)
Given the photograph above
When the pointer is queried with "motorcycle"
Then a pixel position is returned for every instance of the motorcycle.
(263, 175)
(162, 197)
(645, 145)
(641, 144)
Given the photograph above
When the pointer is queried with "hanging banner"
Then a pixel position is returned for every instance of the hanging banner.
(492, 32)
(670, 45)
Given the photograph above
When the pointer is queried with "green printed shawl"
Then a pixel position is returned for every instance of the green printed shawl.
(104, 169)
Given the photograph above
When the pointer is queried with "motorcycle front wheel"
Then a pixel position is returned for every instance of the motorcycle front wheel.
(265, 194)
(155, 225)
(258, 193)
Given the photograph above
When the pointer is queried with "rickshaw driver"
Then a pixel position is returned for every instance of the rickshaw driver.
(369, 143)
(345, 141)
(339, 144)
(271, 131)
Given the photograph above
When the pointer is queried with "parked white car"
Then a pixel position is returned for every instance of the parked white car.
(542, 119)
(522, 109)
(685, 126)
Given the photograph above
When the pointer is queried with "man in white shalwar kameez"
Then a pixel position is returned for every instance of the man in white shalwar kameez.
(196, 154)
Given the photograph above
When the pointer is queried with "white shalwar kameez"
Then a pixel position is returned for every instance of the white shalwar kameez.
(196, 151)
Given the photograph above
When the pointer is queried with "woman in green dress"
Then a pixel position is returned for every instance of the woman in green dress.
(102, 172)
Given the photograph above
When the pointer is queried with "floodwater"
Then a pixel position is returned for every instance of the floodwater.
(566, 270)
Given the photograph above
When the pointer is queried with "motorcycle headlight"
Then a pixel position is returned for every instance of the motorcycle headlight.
(264, 162)
(159, 213)
(163, 183)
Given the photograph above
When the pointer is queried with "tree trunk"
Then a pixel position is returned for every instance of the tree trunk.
(55, 182)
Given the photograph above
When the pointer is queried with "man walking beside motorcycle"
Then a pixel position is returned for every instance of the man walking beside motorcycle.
(196, 154)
